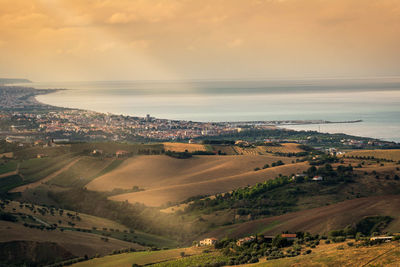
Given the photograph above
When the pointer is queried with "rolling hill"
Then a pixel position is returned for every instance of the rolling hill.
(319, 220)
(78, 243)
(167, 179)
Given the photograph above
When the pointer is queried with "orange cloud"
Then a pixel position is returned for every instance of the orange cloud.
(159, 39)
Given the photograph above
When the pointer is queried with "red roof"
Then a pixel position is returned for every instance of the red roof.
(289, 235)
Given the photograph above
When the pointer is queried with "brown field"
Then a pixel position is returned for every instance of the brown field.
(168, 179)
(390, 154)
(78, 243)
(227, 149)
(387, 254)
(156, 171)
(264, 150)
(182, 147)
(320, 220)
(180, 192)
(86, 222)
(285, 148)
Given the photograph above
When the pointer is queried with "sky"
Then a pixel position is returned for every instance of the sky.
(75, 40)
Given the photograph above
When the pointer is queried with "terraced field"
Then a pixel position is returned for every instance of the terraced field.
(390, 154)
(182, 147)
(264, 150)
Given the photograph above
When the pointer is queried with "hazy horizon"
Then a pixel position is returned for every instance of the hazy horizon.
(100, 40)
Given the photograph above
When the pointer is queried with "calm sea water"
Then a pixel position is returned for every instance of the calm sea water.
(376, 102)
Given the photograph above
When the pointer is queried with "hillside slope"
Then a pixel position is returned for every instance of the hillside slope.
(77, 243)
(168, 179)
(320, 220)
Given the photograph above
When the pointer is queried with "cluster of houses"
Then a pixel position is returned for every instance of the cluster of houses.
(382, 238)
(208, 242)
(241, 241)
(248, 239)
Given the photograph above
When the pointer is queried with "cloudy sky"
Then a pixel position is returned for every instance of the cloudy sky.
(59, 40)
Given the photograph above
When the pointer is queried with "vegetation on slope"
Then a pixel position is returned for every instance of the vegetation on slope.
(273, 197)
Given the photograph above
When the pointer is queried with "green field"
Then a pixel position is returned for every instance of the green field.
(32, 152)
(111, 148)
(206, 259)
(139, 237)
(38, 168)
(8, 166)
(113, 165)
(82, 172)
(141, 258)
(9, 182)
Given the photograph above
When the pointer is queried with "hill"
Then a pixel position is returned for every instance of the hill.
(319, 220)
(141, 258)
(76, 242)
(333, 255)
(324, 255)
(166, 179)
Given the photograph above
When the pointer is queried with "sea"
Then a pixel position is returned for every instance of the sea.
(375, 101)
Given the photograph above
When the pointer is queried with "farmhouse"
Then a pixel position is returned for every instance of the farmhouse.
(208, 241)
(245, 240)
(298, 176)
(382, 238)
(289, 236)
(97, 152)
(242, 143)
(317, 178)
(121, 153)
(38, 143)
(8, 155)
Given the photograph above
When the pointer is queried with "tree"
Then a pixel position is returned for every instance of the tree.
(182, 254)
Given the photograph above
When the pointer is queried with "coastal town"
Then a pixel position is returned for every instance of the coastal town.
(24, 119)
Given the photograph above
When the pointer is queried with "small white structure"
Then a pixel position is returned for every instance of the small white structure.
(317, 178)
(383, 238)
(97, 152)
(208, 241)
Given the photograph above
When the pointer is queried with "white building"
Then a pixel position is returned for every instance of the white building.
(317, 178)
(208, 241)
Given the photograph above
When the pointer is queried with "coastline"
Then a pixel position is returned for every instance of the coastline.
(33, 104)
(244, 122)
